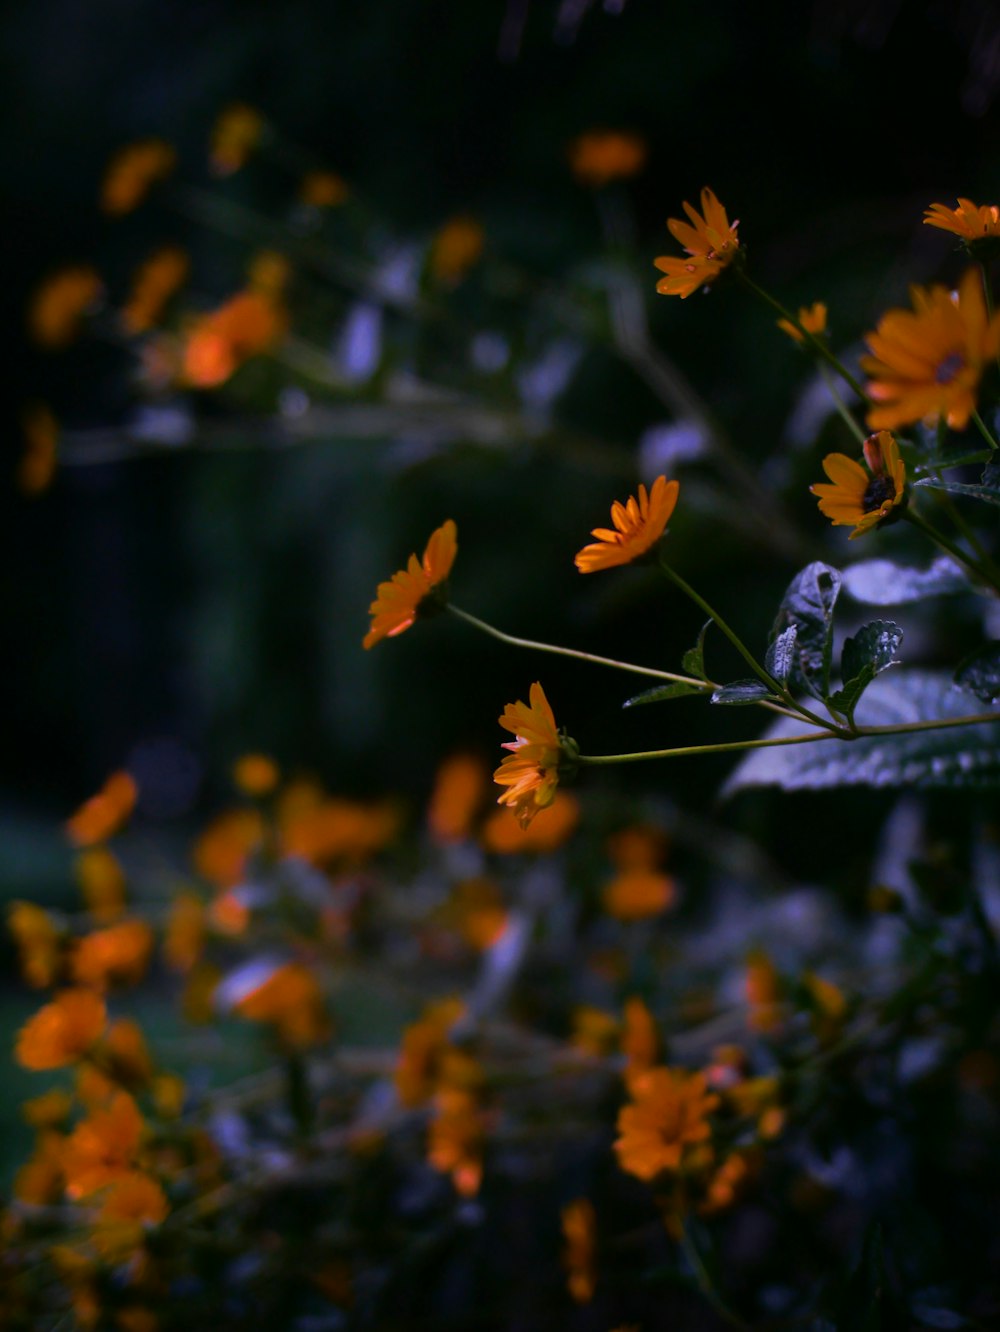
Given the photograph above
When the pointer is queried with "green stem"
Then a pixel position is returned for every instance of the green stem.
(966, 531)
(705, 1283)
(841, 406)
(817, 344)
(984, 430)
(988, 297)
(950, 546)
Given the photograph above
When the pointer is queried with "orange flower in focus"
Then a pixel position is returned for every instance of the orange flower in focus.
(155, 281)
(857, 499)
(103, 814)
(57, 308)
(455, 1140)
(247, 325)
(579, 1228)
(236, 134)
(185, 934)
(132, 173)
(763, 992)
(132, 1205)
(421, 1049)
(223, 849)
(102, 883)
(459, 791)
(668, 1114)
(531, 771)
(639, 524)
(640, 1040)
(638, 894)
(416, 590)
(102, 1146)
(63, 1031)
(711, 245)
(456, 247)
(118, 955)
(324, 189)
(811, 317)
(255, 774)
(926, 364)
(969, 221)
(41, 449)
(292, 1002)
(39, 942)
(601, 156)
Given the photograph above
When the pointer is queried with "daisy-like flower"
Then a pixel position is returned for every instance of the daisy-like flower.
(669, 1113)
(971, 222)
(858, 498)
(639, 524)
(531, 771)
(711, 245)
(414, 590)
(927, 362)
(811, 317)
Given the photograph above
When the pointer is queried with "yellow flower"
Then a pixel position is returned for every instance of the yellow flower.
(927, 363)
(415, 590)
(236, 134)
(669, 1112)
(639, 524)
(132, 173)
(63, 1031)
(811, 317)
(455, 248)
(857, 499)
(711, 245)
(601, 156)
(531, 771)
(969, 221)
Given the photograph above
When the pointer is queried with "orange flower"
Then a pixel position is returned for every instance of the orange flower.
(102, 883)
(102, 1146)
(454, 250)
(711, 245)
(41, 449)
(236, 134)
(247, 325)
(421, 1050)
(763, 991)
(549, 829)
(640, 1040)
(102, 815)
(927, 363)
(531, 772)
(638, 894)
(811, 317)
(50, 1110)
(223, 849)
(600, 156)
(969, 221)
(455, 1139)
(459, 790)
(291, 1000)
(39, 1181)
(132, 173)
(728, 1182)
(639, 524)
(132, 1205)
(185, 936)
(39, 942)
(155, 281)
(323, 189)
(269, 274)
(336, 830)
(857, 499)
(579, 1228)
(58, 306)
(63, 1031)
(117, 955)
(638, 847)
(669, 1113)
(416, 590)
(126, 1054)
(255, 774)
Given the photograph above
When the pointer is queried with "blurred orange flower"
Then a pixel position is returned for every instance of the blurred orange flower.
(132, 173)
(103, 814)
(638, 526)
(669, 1113)
(102, 1146)
(57, 307)
(63, 1031)
(459, 791)
(39, 943)
(102, 883)
(638, 894)
(970, 221)
(269, 274)
(236, 134)
(640, 1039)
(333, 829)
(857, 499)
(41, 449)
(531, 771)
(185, 934)
(221, 852)
(927, 363)
(117, 955)
(126, 1054)
(600, 156)
(455, 1139)
(595, 1031)
(247, 325)
(155, 281)
(711, 245)
(811, 317)
(255, 774)
(763, 992)
(132, 1205)
(50, 1110)
(548, 831)
(455, 248)
(421, 1048)
(416, 590)
(324, 189)
(638, 847)
(290, 1000)
(579, 1228)
(40, 1180)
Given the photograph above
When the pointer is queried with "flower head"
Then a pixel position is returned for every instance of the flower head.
(811, 317)
(639, 524)
(132, 172)
(290, 999)
(927, 362)
(408, 593)
(971, 222)
(711, 245)
(531, 771)
(638, 894)
(455, 249)
(856, 498)
(63, 1031)
(236, 134)
(58, 306)
(600, 156)
(669, 1112)
(103, 814)
(248, 324)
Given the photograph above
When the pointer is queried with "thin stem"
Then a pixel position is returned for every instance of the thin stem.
(950, 546)
(817, 344)
(987, 296)
(841, 406)
(579, 656)
(984, 430)
(704, 1280)
(966, 531)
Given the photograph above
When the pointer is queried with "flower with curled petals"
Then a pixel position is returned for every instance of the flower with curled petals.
(971, 222)
(639, 524)
(811, 319)
(857, 498)
(531, 771)
(416, 590)
(711, 245)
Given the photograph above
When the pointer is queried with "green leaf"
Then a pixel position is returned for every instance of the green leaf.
(980, 673)
(661, 693)
(808, 605)
(987, 490)
(780, 659)
(952, 458)
(742, 692)
(867, 654)
(959, 758)
(885, 583)
(693, 660)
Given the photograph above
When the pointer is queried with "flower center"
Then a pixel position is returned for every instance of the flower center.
(949, 368)
(880, 489)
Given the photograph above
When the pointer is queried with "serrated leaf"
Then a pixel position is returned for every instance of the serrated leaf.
(661, 693)
(959, 758)
(867, 654)
(780, 658)
(742, 692)
(980, 673)
(808, 604)
(885, 583)
(693, 660)
(987, 490)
